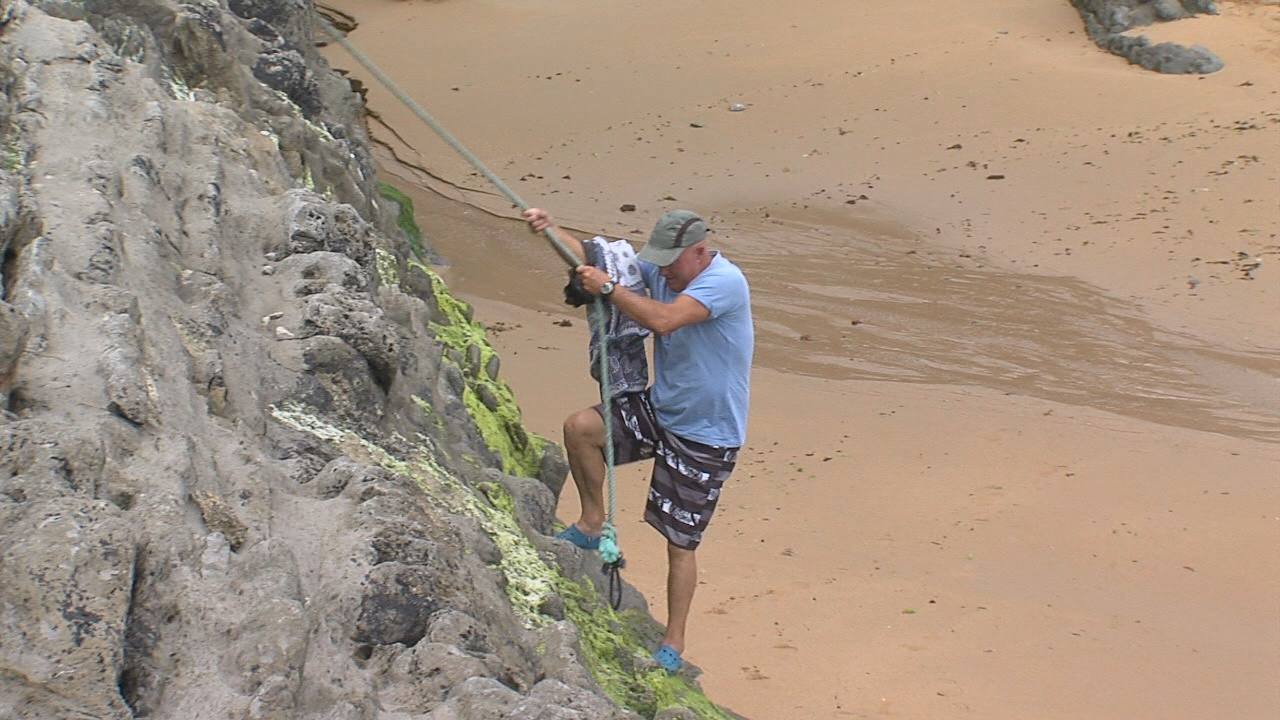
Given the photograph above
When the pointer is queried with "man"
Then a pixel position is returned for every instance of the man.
(693, 418)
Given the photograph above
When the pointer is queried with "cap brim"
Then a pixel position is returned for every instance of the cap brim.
(661, 257)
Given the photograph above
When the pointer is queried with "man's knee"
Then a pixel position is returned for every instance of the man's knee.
(584, 426)
(679, 555)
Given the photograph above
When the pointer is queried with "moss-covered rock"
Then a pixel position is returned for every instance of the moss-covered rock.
(404, 219)
(614, 646)
(385, 263)
(489, 401)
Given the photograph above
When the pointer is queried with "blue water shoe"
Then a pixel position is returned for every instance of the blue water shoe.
(579, 538)
(669, 659)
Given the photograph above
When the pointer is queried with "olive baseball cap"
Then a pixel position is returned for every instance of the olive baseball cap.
(674, 232)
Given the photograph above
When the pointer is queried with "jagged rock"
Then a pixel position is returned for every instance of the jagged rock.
(486, 699)
(339, 379)
(45, 459)
(561, 655)
(13, 338)
(487, 397)
(476, 540)
(454, 627)
(1174, 59)
(479, 698)
(473, 359)
(407, 311)
(403, 542)
(1169, 10)
(323, 269)
(419, 284)
(534, 502)
(453, 377)
(396, 605)
(124, 370)
(268, 641)
(285, 70)
(354, 318)
(66, 569)
(501, 657)
(580, 563)
(553, 468)
(419, 678)
(339, 474)
(289, 19)
(220, 518)
(1106, 20)
(554, 700)
(316, 225)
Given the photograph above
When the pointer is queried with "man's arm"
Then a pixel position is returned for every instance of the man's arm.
(540, 220)
(662, 318)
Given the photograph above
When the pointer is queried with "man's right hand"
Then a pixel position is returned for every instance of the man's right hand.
(538, 219)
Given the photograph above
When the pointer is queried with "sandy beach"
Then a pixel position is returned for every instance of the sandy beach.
(1015, 433)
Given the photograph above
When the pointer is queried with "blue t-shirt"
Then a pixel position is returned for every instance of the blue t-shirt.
(702, 372)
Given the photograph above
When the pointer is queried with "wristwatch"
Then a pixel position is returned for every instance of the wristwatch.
(607, 288)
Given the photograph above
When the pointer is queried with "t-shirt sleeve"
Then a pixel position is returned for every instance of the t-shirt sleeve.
(718, 292)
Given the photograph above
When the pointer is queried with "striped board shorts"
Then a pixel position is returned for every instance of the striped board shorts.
(687, 475)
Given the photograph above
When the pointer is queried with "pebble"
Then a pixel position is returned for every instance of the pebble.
(266, 319)
(737, 107)
(268, 270)
(283, 334)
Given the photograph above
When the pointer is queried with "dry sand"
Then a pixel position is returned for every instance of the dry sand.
(1014, 441)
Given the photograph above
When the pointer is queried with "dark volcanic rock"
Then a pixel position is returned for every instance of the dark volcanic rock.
(396, 605)
(286, 71)
(1107, 20)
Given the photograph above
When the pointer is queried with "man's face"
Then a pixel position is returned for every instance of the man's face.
(686, 267)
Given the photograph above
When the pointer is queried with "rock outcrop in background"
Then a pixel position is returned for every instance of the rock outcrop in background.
(1107, 20)
(255, 461)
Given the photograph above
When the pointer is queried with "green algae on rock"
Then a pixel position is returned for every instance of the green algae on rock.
(618, 658)
(613, 645)
(489, 401)
(529, 580)
(405, 219)
(385, 263)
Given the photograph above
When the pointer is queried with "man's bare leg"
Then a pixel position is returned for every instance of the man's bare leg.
(584, 443)
(682, 580)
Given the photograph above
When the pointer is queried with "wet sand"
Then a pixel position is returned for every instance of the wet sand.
(1013, 442)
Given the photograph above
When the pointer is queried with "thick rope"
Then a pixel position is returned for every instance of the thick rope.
(565, 253)
(610, 553)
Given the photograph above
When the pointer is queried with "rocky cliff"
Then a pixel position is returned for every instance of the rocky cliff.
(255, 461)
